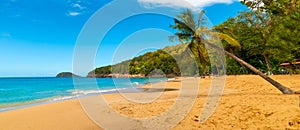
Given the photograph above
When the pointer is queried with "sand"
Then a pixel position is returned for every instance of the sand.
(248, 102)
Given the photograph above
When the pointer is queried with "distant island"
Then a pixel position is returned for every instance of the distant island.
(67, 75)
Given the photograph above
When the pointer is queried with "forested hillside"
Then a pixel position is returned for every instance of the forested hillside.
(263, 36)
(164, 60)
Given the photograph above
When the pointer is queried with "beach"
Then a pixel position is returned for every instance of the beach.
(248, 102)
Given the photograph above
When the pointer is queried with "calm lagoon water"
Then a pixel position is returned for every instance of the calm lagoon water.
(22, 92)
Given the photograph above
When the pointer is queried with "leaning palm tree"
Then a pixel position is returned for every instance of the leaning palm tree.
(191, 30)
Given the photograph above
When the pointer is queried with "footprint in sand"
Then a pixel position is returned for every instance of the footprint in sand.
(295, 123)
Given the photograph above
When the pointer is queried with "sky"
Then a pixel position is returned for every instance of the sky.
(38, 37)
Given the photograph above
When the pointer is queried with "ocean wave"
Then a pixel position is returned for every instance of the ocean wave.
(82, 93)
(62, 98)
(87, 92)
(170, 79)
(135, 83)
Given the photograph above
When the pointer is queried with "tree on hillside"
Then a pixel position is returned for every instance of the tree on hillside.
(262, 38)
(191, 31)
(285, 15)
(276, 23)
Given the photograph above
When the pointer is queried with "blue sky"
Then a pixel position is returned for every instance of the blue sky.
(37, 37)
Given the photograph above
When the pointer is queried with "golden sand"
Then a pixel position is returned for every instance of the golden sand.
(248, 102)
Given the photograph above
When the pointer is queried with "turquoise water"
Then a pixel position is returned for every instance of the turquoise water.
(21, 92)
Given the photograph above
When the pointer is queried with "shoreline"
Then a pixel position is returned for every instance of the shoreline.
(139, 88)
(58, 99)
(248, 102)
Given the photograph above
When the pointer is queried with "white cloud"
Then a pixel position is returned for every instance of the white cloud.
(78, 6)
(73, 13)
(192, 4)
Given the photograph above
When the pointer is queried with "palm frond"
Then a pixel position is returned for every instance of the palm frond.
(188, 19)
(201, 19)
(231, 41)
(182, 27)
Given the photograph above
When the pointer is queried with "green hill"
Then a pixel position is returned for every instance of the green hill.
(144, 65)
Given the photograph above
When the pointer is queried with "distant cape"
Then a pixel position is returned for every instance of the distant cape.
(67, 75)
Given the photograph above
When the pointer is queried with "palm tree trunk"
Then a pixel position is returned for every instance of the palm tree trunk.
(283, 89)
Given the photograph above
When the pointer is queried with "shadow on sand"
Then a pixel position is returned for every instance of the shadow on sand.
(150, 90)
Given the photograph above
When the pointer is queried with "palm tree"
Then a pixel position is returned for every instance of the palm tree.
(191, 32)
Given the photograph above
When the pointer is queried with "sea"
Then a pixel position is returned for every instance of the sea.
(16, 93)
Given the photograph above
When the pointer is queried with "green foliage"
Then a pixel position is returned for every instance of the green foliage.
(198, 37)
(269, 34)
(263, 37)
(103, 70)
(234, 68)
(164, 60)
(169, 60)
